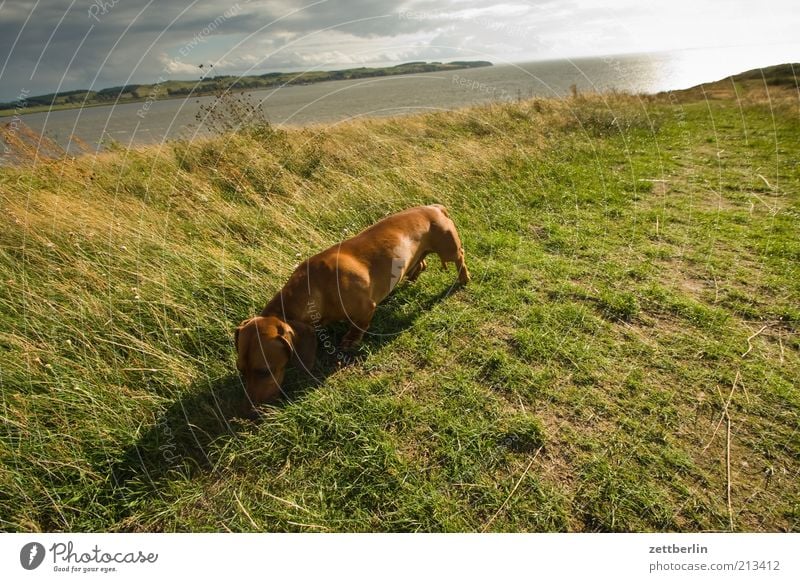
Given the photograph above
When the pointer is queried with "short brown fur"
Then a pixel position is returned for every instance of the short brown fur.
(342, 283)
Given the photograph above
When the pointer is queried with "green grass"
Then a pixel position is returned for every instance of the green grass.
(623, 250)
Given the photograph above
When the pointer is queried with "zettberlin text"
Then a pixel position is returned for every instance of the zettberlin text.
(674, 549)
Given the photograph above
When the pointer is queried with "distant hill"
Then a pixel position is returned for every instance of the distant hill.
(209, 85)
(785, 76)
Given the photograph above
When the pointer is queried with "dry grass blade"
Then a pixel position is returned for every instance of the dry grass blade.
(728, 470)
(510, 495)
(749, 345)
(724, 411)
(247, 513)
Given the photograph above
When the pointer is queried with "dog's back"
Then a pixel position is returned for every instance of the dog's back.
(355, 275)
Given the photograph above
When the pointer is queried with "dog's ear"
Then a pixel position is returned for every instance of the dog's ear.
(236, 332)
(302, 342)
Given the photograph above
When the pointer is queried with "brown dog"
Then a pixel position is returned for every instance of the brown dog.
(343, 283)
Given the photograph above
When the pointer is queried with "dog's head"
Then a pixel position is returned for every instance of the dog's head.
(265, 346)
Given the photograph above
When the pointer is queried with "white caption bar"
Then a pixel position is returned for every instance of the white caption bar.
(370, 557)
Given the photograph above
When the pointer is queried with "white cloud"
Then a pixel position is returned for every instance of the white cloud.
(175, 66)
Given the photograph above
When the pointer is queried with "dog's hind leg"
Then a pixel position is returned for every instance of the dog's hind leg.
(448, 247)
(415, 271)
(461, 265)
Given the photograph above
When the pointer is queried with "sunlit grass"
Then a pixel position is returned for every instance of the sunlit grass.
(623, 250)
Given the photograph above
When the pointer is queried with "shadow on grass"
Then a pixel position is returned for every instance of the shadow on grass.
(177, 445)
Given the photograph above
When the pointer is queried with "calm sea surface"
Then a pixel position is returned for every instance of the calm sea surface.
(338, 101)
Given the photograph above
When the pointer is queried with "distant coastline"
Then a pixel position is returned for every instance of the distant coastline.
(81, 98)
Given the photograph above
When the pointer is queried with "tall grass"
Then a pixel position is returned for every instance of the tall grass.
(620, 260)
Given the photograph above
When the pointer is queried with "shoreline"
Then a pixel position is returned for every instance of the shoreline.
(153, 95)
(18, 140)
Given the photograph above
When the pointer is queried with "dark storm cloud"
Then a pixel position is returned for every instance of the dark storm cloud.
(59, 42)
(69, 43)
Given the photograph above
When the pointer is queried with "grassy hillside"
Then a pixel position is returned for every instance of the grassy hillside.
(778, 79)
(211, 85)
(629, 339)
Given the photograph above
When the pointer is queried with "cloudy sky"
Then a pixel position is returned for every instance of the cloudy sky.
(49, 45)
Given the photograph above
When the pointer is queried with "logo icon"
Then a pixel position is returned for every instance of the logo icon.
(31, 555)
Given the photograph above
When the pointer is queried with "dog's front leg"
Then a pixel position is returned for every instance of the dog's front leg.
(359, 323)
(414, 272)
